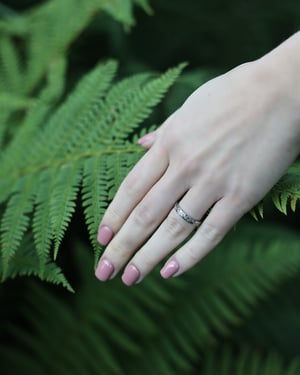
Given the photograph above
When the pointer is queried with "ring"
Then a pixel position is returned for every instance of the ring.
(186, 217)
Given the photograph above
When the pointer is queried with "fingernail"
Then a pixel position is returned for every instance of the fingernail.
(131, 275)
(169, 269)
(146, 139)
(104, 270)
(105, 235)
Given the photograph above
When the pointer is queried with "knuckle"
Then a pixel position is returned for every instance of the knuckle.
(142, 216)
(113, 218)
(211, 233)
(175, 226)
(149, 262)
(242, 201)
(243, 197)
(117, 251)
(192, 254)
(131, 185)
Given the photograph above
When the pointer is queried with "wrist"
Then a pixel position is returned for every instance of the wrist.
(279, 71)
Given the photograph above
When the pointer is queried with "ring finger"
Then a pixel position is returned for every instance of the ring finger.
(171, 233)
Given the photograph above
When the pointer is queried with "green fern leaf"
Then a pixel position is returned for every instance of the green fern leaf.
(15, 220)
(285, 191)
(144, 4)
(42, 224)
(37, 112)
(284, 194)
(219, 301)
(171, 322)
(63, 201)
(54, 149)
(47, 26)
(94, 198)
(10, 70)
(55, 81)
(139, 108)
(121, 10)
(11, 22)
(116, 101)
(26, 263)
(118, 166)
(56, 136)
(74, 117)
(13, 102)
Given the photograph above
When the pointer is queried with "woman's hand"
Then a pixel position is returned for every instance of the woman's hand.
(217, 156)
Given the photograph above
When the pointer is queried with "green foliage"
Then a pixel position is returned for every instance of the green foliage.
(223, 362)
(66, 145)
(46, 144)
(110, 329)
(52, 147)
(93, 123)
(287, 191)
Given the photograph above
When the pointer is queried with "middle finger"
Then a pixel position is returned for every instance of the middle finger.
(143, 221)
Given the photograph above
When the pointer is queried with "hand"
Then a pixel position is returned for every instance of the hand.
(220, 153)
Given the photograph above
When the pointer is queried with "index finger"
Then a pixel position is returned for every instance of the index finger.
(134, 187)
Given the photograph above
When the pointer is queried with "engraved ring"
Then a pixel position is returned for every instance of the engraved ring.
(186, 217)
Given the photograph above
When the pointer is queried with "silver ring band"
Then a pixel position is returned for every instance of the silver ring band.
(186, 217)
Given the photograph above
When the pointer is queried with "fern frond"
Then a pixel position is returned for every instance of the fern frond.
(144, 4)
(75, 139)
(37, 111)
(26, 263)
(9, 105)
(72, 120)
(55, 137)
(51, 35)
(42, 224)
(139, 107)
(15, 220)
(121, 10)
(94, 198)
(220, 302)
(13, 102)
(286, 192)
(116, 100)
(11, 74)
(118, 166)
(55, 81)
(18, 150)
(245, 360)
(63, 200)
(174, 322)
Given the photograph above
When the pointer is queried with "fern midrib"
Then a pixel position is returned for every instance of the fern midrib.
(73, 158)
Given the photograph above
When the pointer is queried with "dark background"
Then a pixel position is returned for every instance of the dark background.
(213, 36)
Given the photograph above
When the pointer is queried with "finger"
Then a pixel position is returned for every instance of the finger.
(222, 217)
(173, 230)
(137, 183)
(141, 223)
(147, 140)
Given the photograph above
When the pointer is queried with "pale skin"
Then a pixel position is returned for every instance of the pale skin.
(221, 151)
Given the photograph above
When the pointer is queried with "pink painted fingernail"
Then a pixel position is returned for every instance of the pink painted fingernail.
(104, 270)
(146, 139)
(169, 269)
(105, 235)
(131, 275)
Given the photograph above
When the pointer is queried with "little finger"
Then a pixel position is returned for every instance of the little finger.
(218, 222)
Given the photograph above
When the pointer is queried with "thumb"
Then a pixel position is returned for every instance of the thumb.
(147, 140)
